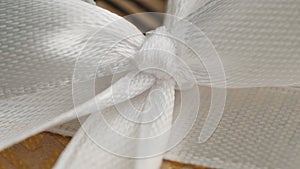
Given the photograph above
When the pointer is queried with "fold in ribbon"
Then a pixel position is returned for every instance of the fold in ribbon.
(53, 54)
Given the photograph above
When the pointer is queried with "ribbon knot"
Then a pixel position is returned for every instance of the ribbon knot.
(157, 56)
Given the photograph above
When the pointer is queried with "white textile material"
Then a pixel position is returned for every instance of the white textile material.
(67, 63)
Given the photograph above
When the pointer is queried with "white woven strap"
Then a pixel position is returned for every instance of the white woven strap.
(107, 139)
(52, 60)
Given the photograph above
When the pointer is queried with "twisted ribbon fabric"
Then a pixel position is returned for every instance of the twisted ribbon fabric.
(216, 85)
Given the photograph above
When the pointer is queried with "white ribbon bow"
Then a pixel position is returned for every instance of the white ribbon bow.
(55, 53)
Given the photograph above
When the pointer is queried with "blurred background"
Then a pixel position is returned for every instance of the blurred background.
(127, 7)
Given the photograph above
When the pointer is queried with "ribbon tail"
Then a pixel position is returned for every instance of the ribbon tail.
(160, 108)
(108, 140)
(83, 153)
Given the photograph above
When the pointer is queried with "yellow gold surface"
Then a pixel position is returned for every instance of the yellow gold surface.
(42, 150)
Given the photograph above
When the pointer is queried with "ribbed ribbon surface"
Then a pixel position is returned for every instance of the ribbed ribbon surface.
(216, 85)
